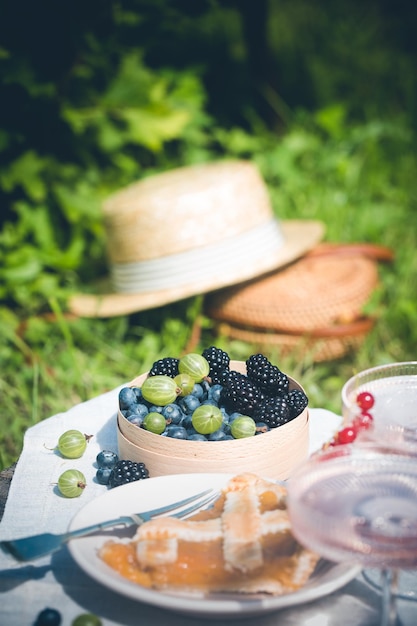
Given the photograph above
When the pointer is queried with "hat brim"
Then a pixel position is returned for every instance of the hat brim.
(300, 236)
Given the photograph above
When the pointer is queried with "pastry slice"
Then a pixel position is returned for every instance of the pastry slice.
(243, 544)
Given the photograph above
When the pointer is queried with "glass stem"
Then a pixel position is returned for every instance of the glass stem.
(389, 605)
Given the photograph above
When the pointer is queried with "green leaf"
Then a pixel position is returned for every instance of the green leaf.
(332, 119)
(131, 86)
(26, 171)
(23, 266)
(78, 201)
(151, 129)
(110, 137)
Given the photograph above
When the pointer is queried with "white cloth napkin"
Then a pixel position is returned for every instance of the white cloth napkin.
(34, 505)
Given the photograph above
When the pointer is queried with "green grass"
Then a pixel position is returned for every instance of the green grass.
(359, 180)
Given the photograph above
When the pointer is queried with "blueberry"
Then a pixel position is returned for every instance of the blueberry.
(103, 475)
(176, 432)
(189, 403)
(173, 413)
(155, 408)
(206, 386)
(228, 419)
(48, 617)
(138, 394)
(106, 458)
(139, 409)
(210, 401)
(198, 391)
(136, 419)
(186, 421)
(197, 437)
(192, 431)
(218, 435)
(261, 427)
(127, 397)
(214, 393)
(225, 415)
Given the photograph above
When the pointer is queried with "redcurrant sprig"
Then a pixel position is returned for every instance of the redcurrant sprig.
(362, 421)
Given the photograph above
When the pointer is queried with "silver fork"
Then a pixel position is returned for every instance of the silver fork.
(29, 548)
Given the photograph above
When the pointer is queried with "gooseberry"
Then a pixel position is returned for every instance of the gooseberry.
(154, 422)
(72, 444)
(160, 390)
(86, 619)
(185, 382)
(195, 366)
(71, 483)
(243, 426)
(206, 419)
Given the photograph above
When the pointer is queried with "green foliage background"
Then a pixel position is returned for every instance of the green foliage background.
(95, 95)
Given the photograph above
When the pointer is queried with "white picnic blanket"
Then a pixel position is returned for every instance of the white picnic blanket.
(56, 581)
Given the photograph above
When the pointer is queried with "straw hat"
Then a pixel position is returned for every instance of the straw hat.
(189, 231)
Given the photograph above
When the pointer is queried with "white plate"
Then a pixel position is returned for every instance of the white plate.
(158, 491)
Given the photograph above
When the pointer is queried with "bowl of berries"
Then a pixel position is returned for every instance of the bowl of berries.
(206, 413)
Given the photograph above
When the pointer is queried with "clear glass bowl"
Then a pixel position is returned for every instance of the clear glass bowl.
(394, 426)
(357, 503)
(394, 387)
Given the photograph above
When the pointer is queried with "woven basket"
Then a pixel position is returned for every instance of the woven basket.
(313, 307)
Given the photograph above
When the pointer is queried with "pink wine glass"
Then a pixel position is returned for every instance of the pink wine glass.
(358, 504)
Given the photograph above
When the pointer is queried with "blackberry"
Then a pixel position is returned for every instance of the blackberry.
(127, 472)
(239, 394)
(273, 412)
(266, 376)
(297, 401)
(165, 367)
(219, 362)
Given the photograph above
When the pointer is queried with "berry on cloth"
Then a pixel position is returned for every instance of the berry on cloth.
(126, 471)
(48, 617)
(106, 458)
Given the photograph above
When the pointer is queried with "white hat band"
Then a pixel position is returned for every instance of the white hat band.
(199, 265)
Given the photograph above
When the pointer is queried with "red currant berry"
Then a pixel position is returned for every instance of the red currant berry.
(365, 400)
(363, 421)
(346, 435)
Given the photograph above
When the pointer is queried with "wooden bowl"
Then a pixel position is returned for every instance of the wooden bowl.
(273, 454)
